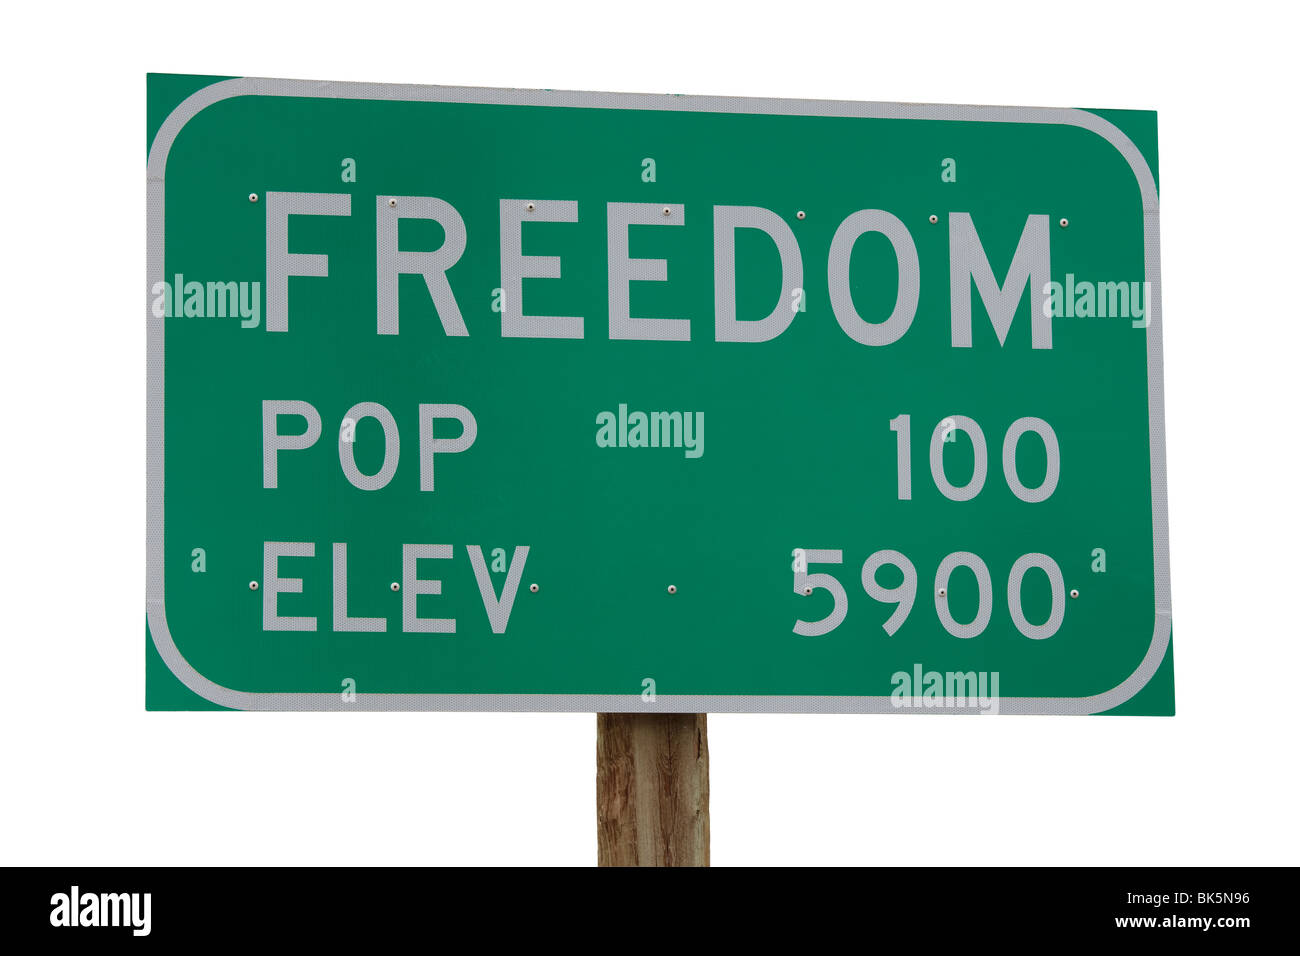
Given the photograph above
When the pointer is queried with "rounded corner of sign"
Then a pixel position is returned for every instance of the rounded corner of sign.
(1132, 156)
(161, 636)
(1163, 626)
(183, 113)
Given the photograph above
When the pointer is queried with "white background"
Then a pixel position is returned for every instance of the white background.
(91, 778)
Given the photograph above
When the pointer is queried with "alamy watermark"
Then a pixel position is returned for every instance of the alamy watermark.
(965, 690)
(636, 429)
(208, 300)
(1082, 299)
(127, 910)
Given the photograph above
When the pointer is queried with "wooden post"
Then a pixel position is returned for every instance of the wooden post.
(652, 789)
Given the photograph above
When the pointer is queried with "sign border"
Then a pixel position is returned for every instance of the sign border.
(156, 613)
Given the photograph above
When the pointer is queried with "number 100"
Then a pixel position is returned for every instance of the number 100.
(902, 425)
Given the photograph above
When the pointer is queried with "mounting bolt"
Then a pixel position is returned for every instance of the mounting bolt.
(933, 219)
(533, 588)
(252, 585)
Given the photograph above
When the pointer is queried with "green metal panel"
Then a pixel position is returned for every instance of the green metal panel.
(797, 447)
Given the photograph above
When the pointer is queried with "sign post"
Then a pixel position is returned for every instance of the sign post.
(652, 789)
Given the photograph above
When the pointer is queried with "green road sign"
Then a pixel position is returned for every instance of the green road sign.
(470, 399)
